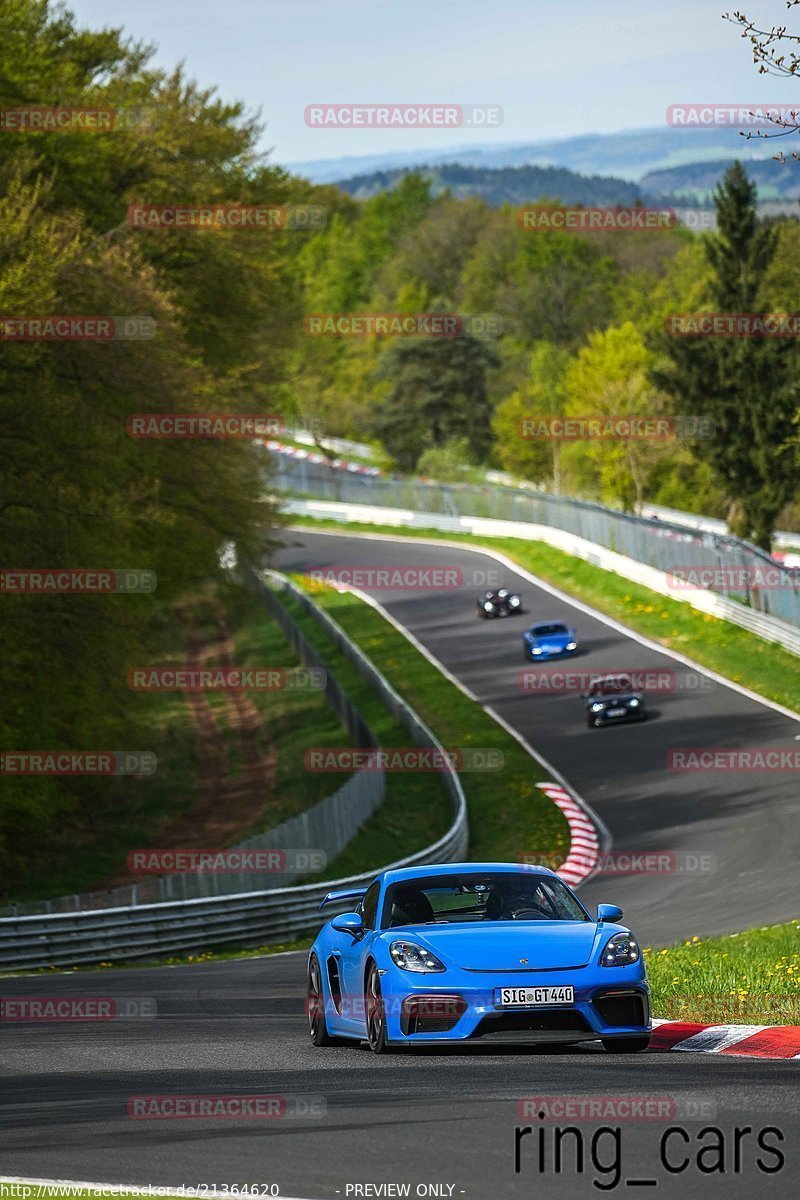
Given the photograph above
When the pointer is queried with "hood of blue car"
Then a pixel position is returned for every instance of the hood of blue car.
(553, 641)
(500, 945)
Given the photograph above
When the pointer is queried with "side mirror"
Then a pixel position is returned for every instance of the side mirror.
(348, 923)
(608, 912)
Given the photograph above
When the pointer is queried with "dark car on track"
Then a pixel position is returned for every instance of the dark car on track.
(612, 699)
(498, 603)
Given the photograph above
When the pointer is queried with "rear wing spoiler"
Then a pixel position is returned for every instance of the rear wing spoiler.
(346, 894)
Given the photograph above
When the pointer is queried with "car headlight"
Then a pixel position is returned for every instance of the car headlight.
(536, 650)
(633, 703)
(572, 645)
(413, 957)
(620, 951)
(598, 707)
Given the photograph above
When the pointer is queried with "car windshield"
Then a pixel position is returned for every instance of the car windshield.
(548, 630)
(611, 686)
(496, 896)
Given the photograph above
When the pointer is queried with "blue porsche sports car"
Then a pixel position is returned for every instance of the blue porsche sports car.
(475, 950)
(549, 639)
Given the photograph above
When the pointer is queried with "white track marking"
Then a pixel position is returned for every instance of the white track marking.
(567, 599)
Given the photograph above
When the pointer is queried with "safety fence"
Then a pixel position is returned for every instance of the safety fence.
(146, 930)
(736, 569)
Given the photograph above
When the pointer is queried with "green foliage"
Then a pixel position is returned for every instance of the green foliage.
(438, 392)
(746, 385)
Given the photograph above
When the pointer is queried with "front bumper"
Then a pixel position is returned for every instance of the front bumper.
(615, 1004)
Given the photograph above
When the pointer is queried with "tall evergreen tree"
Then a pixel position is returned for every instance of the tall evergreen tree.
(747, 385)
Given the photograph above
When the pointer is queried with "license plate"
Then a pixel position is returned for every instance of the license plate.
(533, 997)
(616, 712)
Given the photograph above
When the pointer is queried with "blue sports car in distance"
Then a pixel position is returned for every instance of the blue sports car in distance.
(494, 951)
(549, 639)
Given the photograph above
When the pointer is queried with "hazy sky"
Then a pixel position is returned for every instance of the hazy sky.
(557, 69)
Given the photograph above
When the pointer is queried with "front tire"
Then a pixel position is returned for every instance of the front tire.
(628, 1045)
(315, 1007)
(376, 1014)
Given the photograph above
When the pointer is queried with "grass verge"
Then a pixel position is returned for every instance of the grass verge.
(508, 816)
(763, 667)
(739, 979)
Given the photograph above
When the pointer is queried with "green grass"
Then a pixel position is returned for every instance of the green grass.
(508, 815)
(763, 667)
(741, 978)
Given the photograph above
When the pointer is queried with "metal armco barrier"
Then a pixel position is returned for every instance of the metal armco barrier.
(249, 918)
(655, 543)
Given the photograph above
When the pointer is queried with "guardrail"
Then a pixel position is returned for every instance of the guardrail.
(274, 914)
(769, 628)
(662, 545)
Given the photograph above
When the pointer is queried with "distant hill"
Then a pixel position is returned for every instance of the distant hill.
(696, 181)
(629, 155)
(514, 185)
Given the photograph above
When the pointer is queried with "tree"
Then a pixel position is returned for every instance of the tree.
(438, 392)
(609, 378)
(745, 385)
(542, 396)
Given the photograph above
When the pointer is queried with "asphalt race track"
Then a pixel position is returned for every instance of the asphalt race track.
(745, 827)
(444, 1121)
